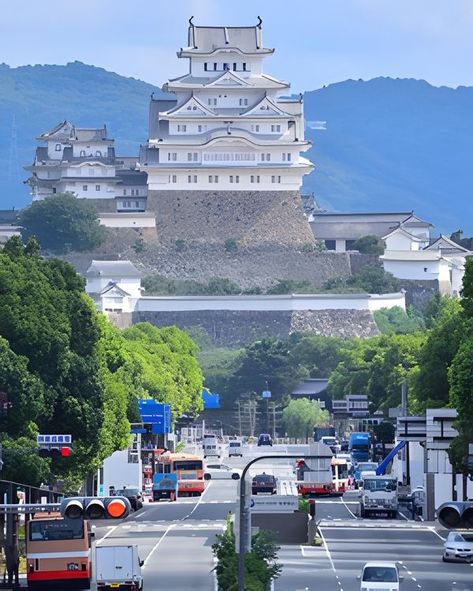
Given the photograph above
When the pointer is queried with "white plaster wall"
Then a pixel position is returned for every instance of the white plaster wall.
(262, 303)
(127, 220)
(340, 245)
(413, 269)
(378, 302)
(400, 241)
(90, 149)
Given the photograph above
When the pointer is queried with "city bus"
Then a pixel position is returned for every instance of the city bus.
(57, 552)
(189, 470)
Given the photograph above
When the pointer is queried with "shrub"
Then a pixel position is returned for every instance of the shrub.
(369, 244)
(180, 245)
(231, 245)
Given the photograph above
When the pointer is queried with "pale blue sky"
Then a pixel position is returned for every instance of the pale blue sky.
(317, 42)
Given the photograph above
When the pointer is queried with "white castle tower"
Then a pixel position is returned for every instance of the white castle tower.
(228, 125)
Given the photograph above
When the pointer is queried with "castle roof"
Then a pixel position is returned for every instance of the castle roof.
(114, 269)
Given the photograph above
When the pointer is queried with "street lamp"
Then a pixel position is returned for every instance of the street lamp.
(241, 541)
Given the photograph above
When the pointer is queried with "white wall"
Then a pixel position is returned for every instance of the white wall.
(128, 220)
(413, 269)
(400, 241)
(270, 303)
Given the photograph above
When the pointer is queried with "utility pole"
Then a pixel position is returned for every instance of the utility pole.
(239, 416)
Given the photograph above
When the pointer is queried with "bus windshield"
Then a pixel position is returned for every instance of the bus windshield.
(187, 465)
(56, 529)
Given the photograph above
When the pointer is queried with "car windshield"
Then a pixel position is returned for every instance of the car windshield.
(329, 440)
(463, 537)
(380, 574)
(263, 478)
(385, 484)
(234, 444)
(127, 492)
(365, 466)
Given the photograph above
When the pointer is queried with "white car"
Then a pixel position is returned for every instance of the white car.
(221, 471)
(458, 547)
(378, 576)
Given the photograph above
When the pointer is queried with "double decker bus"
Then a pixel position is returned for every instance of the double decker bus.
(189, 471)
(57, 552)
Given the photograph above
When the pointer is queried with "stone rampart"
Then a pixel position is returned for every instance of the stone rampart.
(233, 328)
(249, 217)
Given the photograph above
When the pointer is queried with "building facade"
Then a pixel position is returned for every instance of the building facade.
(225, 125)
(82, 161)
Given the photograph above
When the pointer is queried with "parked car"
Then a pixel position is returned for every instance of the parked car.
(133, 495)
(458, 547)
(235, 448)
(376, 576)
(221, 471)
(265, 439)
(264, 483)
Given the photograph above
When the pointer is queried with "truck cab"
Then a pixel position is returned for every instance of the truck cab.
(379, 495)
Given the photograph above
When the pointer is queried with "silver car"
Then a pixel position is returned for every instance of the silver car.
(458, 547)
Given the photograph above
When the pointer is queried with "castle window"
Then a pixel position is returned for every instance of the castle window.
(58, 147)
(244, 66)
(254, 179)
(172, 156)
(286, 157)
(243, 102)
(226, 66)
(275, 128)
(182, 128)
(212, 101)
(82, 153)
(265, 157)
(192, 156)
(275, 179)
(97, 187)
(213, 179)
(137, 203)
(235, 67)
(84, 187)
(234, 179)
(172, 179)
(98, 153)
(205, 66)
(192, 178)
(201, 128)
(255, 128)
(124, 191)
(215, 66)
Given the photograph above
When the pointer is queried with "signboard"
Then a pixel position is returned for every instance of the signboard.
(156, 414)
(274, 504)
(266, 393)
(54, 439)
(165, 482)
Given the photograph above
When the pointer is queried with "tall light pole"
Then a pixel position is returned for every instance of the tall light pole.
(242, 509)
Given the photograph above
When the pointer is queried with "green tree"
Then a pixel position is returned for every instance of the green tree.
(284, 286)
(461, 397)
(369, 244)
(370, 279)
(397, 321)
(318, 355)
(63, 223)
(300, 416)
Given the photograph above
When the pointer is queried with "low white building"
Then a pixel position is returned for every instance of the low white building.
(115, 286)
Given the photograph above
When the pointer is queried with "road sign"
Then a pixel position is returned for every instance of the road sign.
(54, 439)
(266, 394)
(274, 504)
(156, 414)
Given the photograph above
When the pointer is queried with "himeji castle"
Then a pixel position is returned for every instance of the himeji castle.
(226, 125)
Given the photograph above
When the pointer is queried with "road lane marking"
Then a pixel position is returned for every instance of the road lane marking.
(434, 531)
(348, 508)
(112, 529)
(157, 544)
(199, 501)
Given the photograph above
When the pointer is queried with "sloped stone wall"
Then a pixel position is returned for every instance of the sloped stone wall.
(233, 328)
(250, 217)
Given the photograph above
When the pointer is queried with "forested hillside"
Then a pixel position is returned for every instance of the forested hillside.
(389, 144)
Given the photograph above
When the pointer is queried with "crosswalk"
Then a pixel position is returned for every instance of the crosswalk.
(363, 524)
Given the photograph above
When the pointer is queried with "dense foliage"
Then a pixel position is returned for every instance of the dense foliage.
(300, 417)
(64, 368)
(369, 244)
(63, 223)
(260, 563)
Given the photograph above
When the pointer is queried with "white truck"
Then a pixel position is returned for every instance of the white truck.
(211, 445)
(379, 494)
(118, 567)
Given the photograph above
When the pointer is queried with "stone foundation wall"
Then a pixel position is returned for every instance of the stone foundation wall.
(234, 328)
(249, 217)
(104, 205)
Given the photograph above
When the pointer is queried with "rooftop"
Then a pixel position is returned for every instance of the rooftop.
(113, 269)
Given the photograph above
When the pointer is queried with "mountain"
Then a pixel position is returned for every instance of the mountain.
(394, 145)
(388, 144)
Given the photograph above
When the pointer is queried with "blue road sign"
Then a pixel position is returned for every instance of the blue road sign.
(54, 439)
(156, 414)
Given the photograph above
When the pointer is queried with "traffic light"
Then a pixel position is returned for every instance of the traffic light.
(95, 507)
(456, 515)
(55, 452)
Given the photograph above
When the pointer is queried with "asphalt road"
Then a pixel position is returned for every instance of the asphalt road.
(175, 541)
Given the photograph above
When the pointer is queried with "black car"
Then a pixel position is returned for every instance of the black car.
(264, 483)
(133, 495)
(265, 439)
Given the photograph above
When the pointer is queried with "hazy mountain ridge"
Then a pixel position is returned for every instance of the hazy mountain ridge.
(389, 144)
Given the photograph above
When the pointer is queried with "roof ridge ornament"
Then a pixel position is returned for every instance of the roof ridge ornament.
(260, 22)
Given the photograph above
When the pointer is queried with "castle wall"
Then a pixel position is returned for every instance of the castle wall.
(249, 217)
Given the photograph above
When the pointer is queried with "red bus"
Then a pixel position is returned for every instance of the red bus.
(57, 552)
(188, 468)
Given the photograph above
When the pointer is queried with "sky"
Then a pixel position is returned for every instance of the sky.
(317, 42)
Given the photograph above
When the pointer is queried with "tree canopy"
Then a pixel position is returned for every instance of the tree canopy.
(63, 223)
(301, 416)
(369, 244)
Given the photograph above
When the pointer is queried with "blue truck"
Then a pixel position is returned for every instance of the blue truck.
(359, 447)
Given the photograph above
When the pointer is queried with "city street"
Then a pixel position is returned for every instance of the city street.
(175, 541)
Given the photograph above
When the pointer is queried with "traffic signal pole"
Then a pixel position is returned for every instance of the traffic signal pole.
(242, 550)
